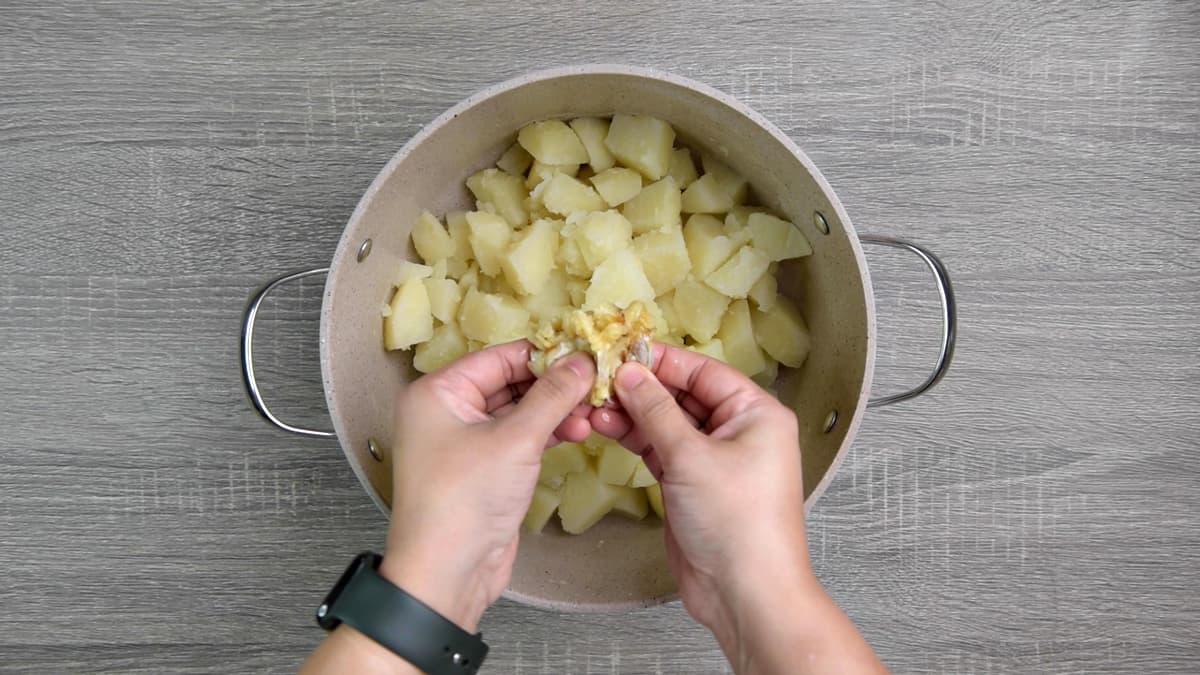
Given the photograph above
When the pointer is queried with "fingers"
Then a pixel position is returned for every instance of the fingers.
(489, 371)
(708, 380)
(553, 397)
(656, 416)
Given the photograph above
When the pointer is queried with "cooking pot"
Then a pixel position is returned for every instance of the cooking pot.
(617, 564)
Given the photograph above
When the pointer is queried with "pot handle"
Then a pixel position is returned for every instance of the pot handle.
(248, 379)
(949, 318)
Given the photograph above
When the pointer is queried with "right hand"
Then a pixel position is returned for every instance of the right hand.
(732, 488)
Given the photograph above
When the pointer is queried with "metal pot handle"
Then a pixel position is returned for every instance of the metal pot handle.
(248, 378)
(949, 319)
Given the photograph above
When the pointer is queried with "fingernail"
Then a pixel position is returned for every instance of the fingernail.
(630, 375)
(579, 363)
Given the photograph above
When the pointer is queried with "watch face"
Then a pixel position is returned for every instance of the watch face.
(325, 613)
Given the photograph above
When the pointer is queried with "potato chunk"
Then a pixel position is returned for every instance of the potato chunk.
(545, 501)
(764, 291)
(552, 300)
(782, 333)
(619, 280)
(592, 132)
(778, 238)
(617, 185)
(585, 499)
(641, 476)
(739, 217)
(656, 206)
(707, 244)
(504, 192)
(706, 195)
(641, 142)
(630, 502)
(616, 464)
(737, 275)
(737, 337)
(491, 318)
(664, 258)
(682, 168)
(552, 142)
(515, 160)
(560, 460)
(654, 496)
(565, 195)
(699, 309)
(410, 270)
(460, 232)
(489, 238)
(539, 172)
(444, 298)
(735, 186)
(599, 234)
(410, 320)
(446, 345)
(431, 240)
(713, 349)
(529, 261)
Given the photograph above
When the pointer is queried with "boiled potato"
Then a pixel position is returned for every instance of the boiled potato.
(617, 185)
(737, 275)
(764, 291)
(619, 280)
(503, 192)
(431, 240)
(489, 239)
(656, 206)
(584, 500)
(552, 300)
(560, 460)
(545, 501)
(769, 373)
(735, 186)
(654, 496)
(737, 337)
(707, 244)
(444, 298)
(565, 195)
(446, 345)
(713, 349)
(706, 195)
(515, 161)
(630, 502)
(782, 333)
(664, 257)
(577, 290)
(776, 237)
(699, 309)
(739, 217)
(529, 261)
(460, 232)
(599, 234)
(570, 257)
(470, 278)
(592, 132)
(682, 168)
(411, 320)
(641, 142)
(409, 270)
(552, 142)
(492, 319)
(539, 172)
(641, 476)
(616, 464)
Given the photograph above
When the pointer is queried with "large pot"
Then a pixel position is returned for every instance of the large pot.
(617, 564)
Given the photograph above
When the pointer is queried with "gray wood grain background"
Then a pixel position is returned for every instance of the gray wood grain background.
(1035, 513)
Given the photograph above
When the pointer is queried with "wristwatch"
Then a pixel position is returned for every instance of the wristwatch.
(410, 628)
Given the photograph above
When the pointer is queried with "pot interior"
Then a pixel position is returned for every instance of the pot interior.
(616, 564)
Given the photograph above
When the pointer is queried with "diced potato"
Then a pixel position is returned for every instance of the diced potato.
(584, 500)
(439, 269)
(560, 460)
(666, 307)
(570, 257)
(706, 195)
(616, 464)
(505, 192)
(664, 257)
(699, 309)
(410, 270)
(460, 232)
(735, 186)
(641, 476)
(769, 373)
(492, 319)
(592, 131)
(641, 142)
(656, 206)
(444, 298)
(777, 238)
(631, 502)
(782, 333)
(446, 345)
(617, 185)
(619, 280)
(497, 285)
(764, 290)
(552, 142)
(489, 238)
(654, 496)
(713, 349)
(682, 168)
(515, 160)
(565, 195)
(577, 289)
(739, 217)
(539, 172)
(552, 300)
(431, 240)
(545, 501)
(594, 444)
(707, 244)
(470, 278)
(738, 274)
(529, 261)
(411, 321)
(737, 337)
(599, 234)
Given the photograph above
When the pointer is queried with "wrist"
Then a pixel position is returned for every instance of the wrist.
(753, 600)
(458, 595)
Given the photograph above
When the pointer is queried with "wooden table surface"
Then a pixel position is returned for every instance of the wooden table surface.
(1037, 512)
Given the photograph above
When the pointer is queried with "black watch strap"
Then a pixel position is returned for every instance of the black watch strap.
(410, 628)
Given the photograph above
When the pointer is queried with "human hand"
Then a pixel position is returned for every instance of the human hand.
(466, 454)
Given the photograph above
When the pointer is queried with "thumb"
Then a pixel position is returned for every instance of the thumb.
(553, 396)
(654, 412)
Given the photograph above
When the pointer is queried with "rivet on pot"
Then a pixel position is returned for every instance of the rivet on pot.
(822, 225)
(831, 421)
(375, 449)
(364, 250)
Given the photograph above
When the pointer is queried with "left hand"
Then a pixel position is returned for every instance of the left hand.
(466, 454)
